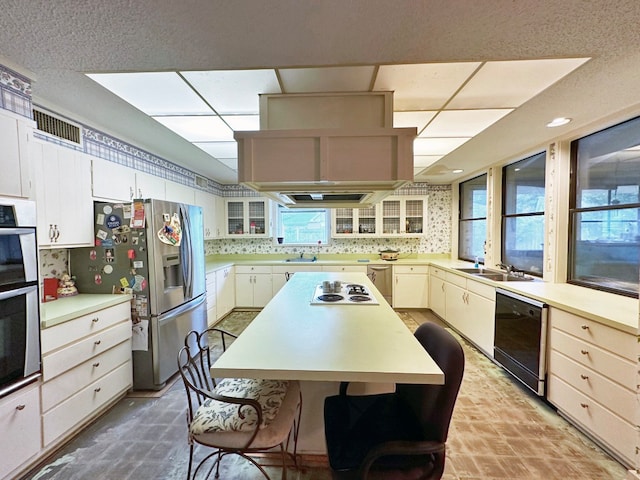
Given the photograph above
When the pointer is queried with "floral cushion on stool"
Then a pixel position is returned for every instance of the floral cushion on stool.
(216, 416)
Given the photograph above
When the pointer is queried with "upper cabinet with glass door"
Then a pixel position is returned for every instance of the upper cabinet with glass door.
(349, 222)
(403, 216)
(395, 216)
(248, 217)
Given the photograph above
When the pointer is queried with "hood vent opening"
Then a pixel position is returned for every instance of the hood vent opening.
(333, 150)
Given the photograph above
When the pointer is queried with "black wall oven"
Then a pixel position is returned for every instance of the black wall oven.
(521, 338)
(19, 300)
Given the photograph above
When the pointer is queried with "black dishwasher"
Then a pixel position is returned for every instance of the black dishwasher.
(521, 338)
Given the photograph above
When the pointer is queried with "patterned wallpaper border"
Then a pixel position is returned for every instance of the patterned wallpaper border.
(15, 92)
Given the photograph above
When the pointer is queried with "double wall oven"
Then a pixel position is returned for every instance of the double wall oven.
(19, 301)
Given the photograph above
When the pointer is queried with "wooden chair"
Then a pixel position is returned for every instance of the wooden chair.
(235, 415)
(400, 434)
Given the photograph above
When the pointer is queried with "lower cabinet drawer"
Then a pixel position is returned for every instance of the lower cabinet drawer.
(620, 400)
(65, 385)
(612, 430)
(610, 339)
(67, 415)
(618, 369)
(62, 360)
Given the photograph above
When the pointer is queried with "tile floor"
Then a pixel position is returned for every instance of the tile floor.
(498, 431)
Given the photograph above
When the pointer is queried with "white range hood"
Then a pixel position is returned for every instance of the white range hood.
(356, 163)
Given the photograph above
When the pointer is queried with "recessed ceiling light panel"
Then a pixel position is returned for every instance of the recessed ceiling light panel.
(558, 122)
(155, 93)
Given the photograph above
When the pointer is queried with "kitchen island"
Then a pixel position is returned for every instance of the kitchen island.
(324, 344)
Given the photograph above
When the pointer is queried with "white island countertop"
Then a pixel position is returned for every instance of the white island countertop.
(291, 339)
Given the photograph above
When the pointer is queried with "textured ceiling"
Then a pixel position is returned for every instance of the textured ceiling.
(56, 42)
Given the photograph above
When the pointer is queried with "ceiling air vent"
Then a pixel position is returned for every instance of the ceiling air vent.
(58, 128)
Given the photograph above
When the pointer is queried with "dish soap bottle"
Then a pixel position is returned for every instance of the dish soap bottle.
(476, 264)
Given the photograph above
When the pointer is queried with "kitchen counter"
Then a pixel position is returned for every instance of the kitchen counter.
(291, 339)
(64, 309)
(322, 345)
(614, 310)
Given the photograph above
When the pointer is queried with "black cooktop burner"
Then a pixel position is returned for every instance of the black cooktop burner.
(360, 298)
(330, 297)
(355, 289)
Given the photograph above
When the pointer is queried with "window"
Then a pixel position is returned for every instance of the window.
(523, 214)
(303, 226)
(472, 229)
(604, 250)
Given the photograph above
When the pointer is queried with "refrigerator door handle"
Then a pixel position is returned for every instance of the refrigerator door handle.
(187, 255)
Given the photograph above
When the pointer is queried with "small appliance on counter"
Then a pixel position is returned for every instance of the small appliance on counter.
(389, 254)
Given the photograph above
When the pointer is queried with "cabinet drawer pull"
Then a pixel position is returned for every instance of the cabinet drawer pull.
(97, 342)
(97, 389)
(96, 365)
(584, 327)
(20, 407)
(95, 319)
(584, 377)
(584, 352)
(584, 405)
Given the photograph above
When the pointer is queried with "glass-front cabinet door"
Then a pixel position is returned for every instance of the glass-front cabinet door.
(406, 216)
(394, 216)
(349, 222)
(248, 216)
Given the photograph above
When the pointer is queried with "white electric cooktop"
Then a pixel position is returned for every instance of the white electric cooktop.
(350, 294)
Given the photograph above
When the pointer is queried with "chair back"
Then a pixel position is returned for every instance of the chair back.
(194, 364)
(433, 404)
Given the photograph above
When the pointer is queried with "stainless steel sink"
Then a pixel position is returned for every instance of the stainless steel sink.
(503, 277)
(301, 260)
(495, 275)
(476, 270)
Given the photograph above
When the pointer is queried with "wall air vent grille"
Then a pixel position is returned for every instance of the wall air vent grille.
(201, 182)
(57, 127)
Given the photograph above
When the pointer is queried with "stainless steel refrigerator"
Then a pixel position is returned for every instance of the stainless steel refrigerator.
(153, 250)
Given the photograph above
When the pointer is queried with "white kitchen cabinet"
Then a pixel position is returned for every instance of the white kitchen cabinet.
(437, 291)
(111, 181)
(225, 291)
(86, 365)
(470, 308)
(591, 380)
(253, 285)
(354, 222)
(20, 441)
(14, 157)
(177, 192)
(209, 211)
(62, 181)
(211, 298)
(410, 286)
(344, 268)
(403, 216)
(150, 186)
(248, 217)
(280, 274)
(219, 225)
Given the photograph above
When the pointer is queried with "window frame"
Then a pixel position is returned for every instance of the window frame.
(575, 212)
(506, 216)
(279, 209)
(471, 220)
